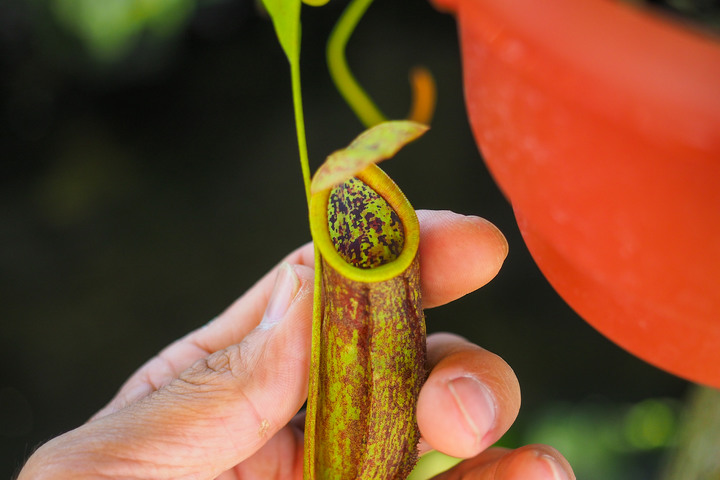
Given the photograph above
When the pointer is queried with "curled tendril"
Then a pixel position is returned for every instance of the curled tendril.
(423, 95)
(423, 85)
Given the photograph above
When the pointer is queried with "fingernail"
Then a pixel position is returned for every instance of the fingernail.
(286, 287)
(558, 472)
(210, 322)
(476, 404)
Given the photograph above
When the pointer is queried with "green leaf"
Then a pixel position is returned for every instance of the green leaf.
(285, 15)
(372, 146)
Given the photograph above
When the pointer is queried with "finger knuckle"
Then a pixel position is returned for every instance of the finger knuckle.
(214, 370)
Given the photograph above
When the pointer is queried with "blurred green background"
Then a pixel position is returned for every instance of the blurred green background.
(149, 176)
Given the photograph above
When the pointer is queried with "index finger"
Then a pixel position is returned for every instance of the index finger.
(458, 255)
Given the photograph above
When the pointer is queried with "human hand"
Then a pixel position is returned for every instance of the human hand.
(221, 402)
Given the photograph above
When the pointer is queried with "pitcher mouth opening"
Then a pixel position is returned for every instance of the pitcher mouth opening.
(378, 181)
(366, 231)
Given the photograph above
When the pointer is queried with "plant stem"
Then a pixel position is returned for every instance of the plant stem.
(309, 451)
(354, 95)
(300, 127)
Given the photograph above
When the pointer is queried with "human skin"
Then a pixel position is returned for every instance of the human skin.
(222, 402)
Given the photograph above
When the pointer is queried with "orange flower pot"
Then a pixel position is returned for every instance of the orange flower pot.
(601, 124)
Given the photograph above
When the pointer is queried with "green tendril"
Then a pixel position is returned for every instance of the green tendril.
(347, 85)
(300, 128)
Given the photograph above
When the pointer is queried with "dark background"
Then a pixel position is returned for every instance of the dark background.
(149, 175)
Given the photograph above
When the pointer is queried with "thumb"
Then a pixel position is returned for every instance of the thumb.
(214, 415)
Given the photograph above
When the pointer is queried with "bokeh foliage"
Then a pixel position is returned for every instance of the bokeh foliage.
(111, 29)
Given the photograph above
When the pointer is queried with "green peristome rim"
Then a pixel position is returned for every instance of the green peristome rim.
(379, 181)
